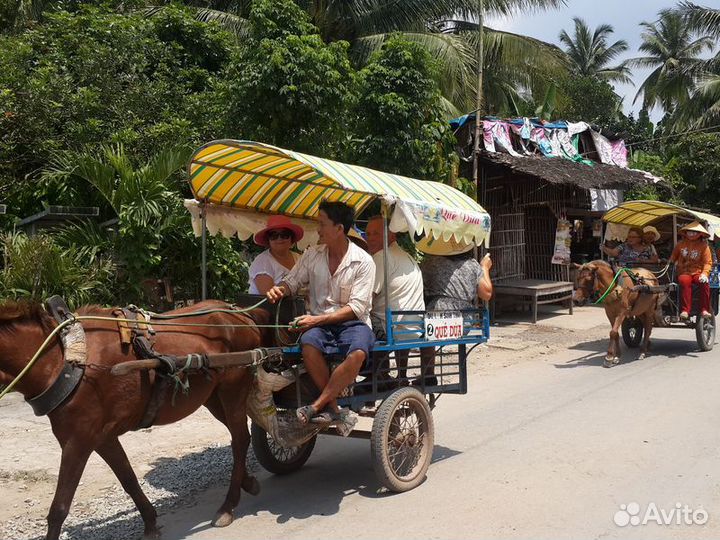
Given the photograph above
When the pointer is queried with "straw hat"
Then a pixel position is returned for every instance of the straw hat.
(275, 223)
(358, 237)
(437, 246)
(697, 227)
(651, 229)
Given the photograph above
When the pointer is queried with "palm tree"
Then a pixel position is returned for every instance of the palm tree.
(674, 53)
(438, 25)
(514, 66)
(590, 54)
(703, 108)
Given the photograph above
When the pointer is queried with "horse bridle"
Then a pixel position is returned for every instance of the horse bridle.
(590, 288)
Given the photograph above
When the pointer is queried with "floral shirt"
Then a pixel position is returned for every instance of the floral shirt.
(627, 254)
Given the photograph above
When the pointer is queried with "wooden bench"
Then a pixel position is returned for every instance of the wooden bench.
(535, 292)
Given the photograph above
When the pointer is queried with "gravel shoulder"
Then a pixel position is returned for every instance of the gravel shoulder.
(179, 462)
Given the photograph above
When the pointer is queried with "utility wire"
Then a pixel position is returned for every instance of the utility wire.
(674, 135)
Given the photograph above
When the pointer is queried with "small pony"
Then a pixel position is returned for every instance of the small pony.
(621, 301)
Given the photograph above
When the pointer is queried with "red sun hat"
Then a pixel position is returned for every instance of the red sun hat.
(275, 223)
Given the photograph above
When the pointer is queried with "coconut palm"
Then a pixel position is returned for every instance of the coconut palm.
(589, 53)
(514, 65)
(674, 53)
(701, 19)
(703, 108)
(366, 24)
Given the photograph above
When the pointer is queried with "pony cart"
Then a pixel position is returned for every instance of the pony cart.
(236, 184)
(667, 219)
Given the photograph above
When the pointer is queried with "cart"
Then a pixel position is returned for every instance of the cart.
(236, 184)
(668, 219)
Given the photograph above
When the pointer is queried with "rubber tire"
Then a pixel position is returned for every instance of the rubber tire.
(632, 340)
(270, 462)
(700, 335)
(380, 439)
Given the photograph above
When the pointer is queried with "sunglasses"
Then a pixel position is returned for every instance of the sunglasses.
(282, 234)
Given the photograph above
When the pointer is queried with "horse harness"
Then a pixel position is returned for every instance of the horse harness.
(637, 280)
(136, 332)
(72, 339)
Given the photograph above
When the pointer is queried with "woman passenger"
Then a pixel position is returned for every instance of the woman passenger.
(273, 264)
(632, 250)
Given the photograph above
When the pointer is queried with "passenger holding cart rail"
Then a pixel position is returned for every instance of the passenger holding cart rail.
(340, 277)
(693, 260)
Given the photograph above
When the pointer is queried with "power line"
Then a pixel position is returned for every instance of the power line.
(674, 135)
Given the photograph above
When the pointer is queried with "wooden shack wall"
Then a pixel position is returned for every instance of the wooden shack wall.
(524, 212)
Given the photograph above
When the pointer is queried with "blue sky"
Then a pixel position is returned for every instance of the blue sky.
(624, 15)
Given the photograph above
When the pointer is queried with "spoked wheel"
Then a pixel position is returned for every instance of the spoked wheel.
(632, 332)
(705, 332)
(402, 440)
(275, 458)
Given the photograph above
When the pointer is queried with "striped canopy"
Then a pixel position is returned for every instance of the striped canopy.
(641, 213)
(256, 177)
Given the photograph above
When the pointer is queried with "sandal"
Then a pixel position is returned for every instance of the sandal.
(305, 414)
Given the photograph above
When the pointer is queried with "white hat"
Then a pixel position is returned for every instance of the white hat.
(651, 229)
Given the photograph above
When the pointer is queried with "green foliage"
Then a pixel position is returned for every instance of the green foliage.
(287, 89)
(589, 99)
(656, 164)
(672, 51)
(228, 267)
(94, 77)
(399, 125)
(37, 267)
(590, 53)
(694, 157)
(142, 198)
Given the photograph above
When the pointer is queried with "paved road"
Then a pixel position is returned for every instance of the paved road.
(546, 448)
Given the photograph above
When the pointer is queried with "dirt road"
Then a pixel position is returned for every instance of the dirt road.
(547, 443)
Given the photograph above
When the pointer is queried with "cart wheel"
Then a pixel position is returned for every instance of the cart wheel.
(705, 332)
(401, 442)
(632, 332)
(275, 458)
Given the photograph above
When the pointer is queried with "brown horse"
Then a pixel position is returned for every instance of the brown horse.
(621, 303)
(104, 406)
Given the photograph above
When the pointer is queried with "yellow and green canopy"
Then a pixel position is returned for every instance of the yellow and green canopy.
(642, 213)
(245, 178)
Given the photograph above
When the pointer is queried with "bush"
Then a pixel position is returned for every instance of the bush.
(37, 267)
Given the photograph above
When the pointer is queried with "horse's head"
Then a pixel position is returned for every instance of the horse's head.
(589, 281)
(23, 327)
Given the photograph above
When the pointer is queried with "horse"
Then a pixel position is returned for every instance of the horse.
(621, 302)
(104, 406)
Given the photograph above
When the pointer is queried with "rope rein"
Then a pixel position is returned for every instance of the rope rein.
(75, 318)
(612, 284)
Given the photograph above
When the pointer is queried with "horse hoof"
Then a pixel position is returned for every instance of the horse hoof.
(616, 361)
(641, 357)
(607, 363)
(251, 485)
(222, 519)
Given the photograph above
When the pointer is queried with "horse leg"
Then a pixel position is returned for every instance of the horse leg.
(613, 356)
(72, 464)
(114, 455)
(235, 418)
(249, 483)
(647, 320)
